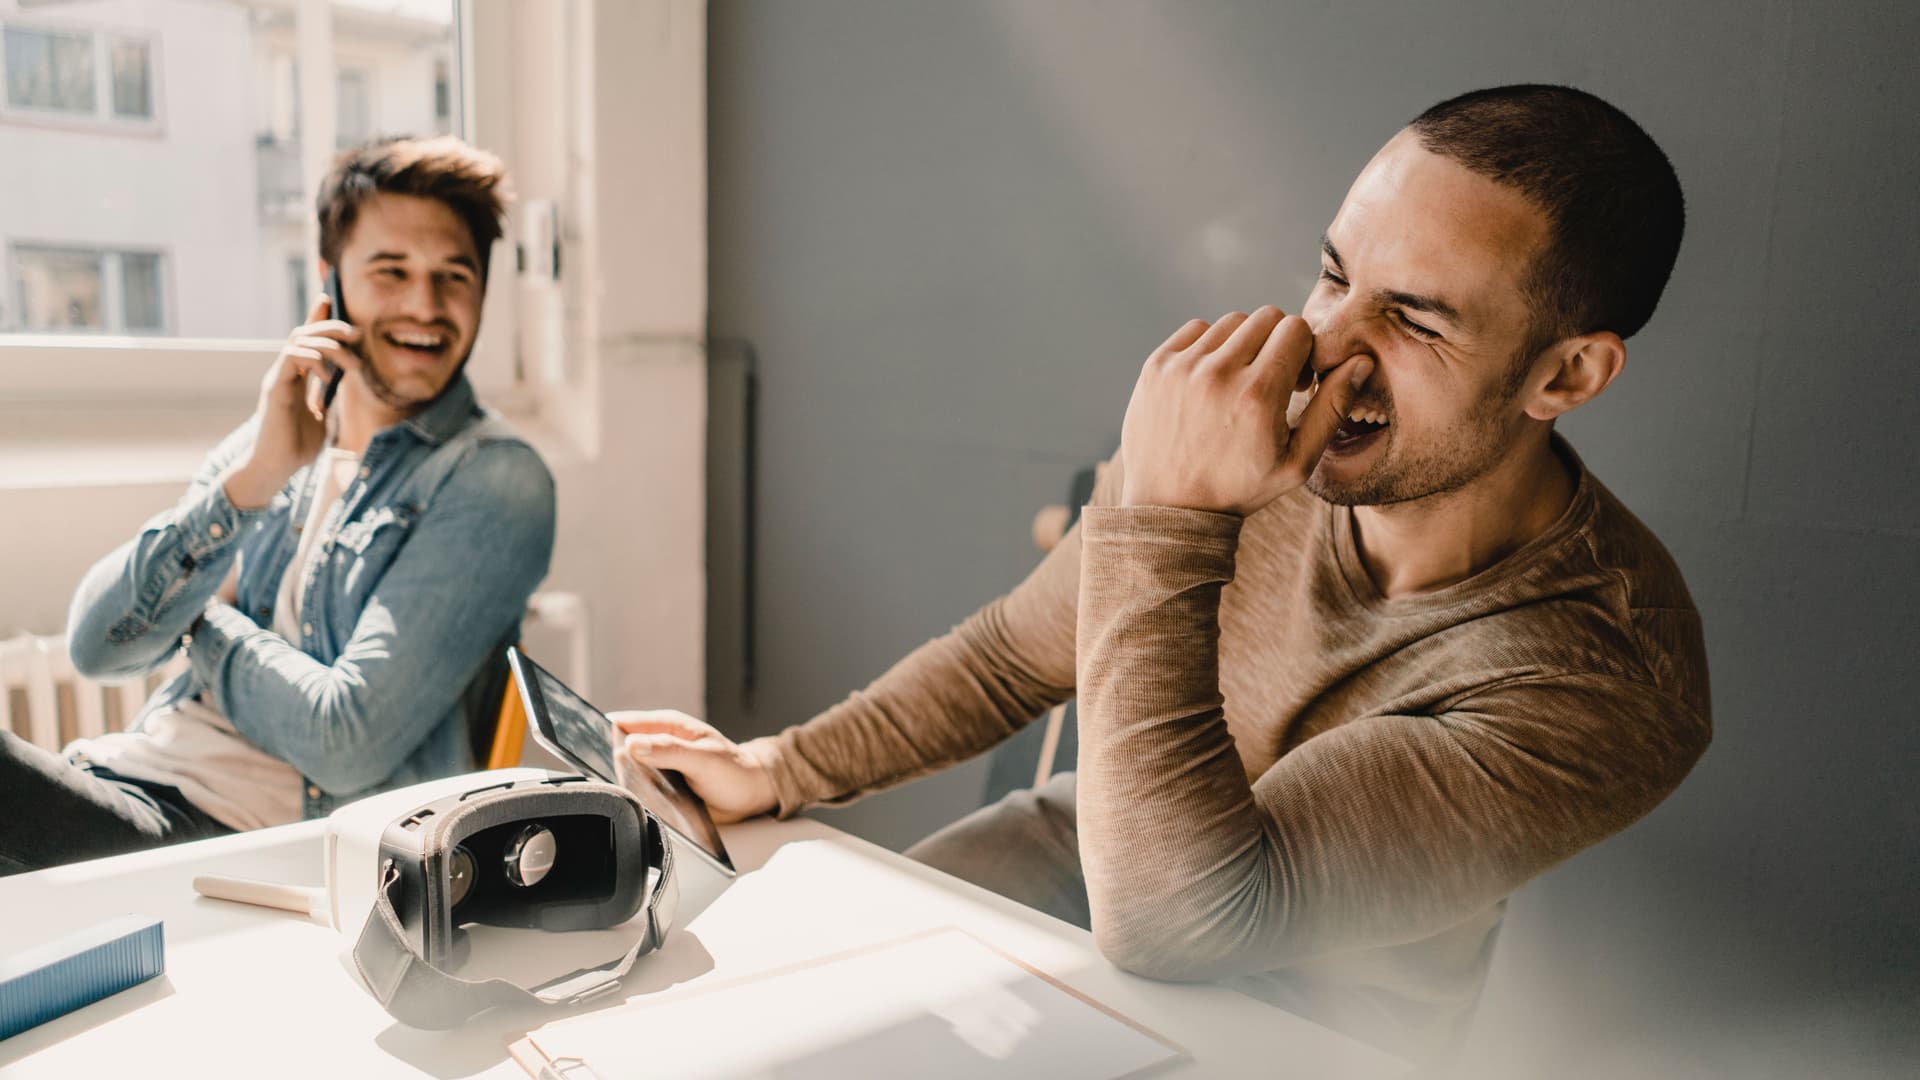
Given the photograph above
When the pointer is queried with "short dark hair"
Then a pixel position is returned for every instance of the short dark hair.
(471, 182)
(1613, 204)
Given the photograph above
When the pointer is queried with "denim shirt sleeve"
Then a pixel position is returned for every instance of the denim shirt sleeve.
(131, 609)
(451, 595)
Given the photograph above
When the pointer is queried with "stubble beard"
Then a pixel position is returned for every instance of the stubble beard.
(387, 394)
(1451, 462)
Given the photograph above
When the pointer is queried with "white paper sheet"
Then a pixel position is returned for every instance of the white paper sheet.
(934, 1005)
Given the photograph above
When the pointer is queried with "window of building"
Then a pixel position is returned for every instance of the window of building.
(353, 115)
(78, 289)
(78, 74)
(132, 65)
(134, 269)
(442, 96)
(297, 295)
(142, 306)
(230, 232)
(49, 70)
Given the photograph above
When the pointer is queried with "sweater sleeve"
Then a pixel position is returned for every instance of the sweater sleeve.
(1384, 830)
(946, 701)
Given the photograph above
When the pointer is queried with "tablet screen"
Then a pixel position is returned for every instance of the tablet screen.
(564, 723)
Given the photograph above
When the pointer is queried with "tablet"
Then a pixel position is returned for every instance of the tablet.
(582, 736)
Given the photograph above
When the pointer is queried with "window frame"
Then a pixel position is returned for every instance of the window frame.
(370, 88)
(135, 373)
(113, 299)
(102, 119)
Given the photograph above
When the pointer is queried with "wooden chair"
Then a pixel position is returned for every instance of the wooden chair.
(509, 730)
(1042, 749)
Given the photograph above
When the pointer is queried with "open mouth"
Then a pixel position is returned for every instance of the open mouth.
(1358, 429)
(419, 346)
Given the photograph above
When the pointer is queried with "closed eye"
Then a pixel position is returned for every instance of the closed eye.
(1332, 278)
(1415, 328)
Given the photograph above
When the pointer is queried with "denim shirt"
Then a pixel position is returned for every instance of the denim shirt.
(418, 581)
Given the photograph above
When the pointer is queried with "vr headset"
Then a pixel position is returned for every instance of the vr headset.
(513, 848)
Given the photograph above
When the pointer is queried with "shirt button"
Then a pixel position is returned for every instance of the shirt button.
(264, 612)
(365, 472)
(313, 792)
(306, 628)
(216, 530)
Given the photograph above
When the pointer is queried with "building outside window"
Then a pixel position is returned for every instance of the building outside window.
(297, 295)
(157, 238)
(76, 288)
(50, 71)
(78, 74)
(353, 115)
(132, 78)
(442, 97)
(127, 216)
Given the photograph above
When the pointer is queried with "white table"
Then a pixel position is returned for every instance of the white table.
(254, 992)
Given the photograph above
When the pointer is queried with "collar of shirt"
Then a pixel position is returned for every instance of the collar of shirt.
(446, 414)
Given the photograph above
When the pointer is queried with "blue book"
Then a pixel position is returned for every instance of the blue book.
(56, 978)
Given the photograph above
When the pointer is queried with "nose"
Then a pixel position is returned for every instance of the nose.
(1337, 335)
(422, 299)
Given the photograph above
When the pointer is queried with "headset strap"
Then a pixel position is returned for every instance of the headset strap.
(420, 995)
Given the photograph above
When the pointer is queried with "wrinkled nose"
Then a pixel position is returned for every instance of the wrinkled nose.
(1336, 339)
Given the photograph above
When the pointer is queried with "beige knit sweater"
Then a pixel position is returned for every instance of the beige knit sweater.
(1287, 778)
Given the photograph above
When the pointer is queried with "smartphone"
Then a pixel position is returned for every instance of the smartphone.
(336, 309)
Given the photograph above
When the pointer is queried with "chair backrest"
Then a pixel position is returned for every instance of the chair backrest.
(1041, 749)
(497, 718)
(509, 730)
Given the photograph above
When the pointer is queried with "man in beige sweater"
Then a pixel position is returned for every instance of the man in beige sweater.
(1346, 681)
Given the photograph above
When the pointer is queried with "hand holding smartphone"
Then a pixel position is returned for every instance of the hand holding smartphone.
(321, 389)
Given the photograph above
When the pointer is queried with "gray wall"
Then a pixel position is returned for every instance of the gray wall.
(952, 232)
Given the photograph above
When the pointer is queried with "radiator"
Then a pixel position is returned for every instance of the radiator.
(44, 701)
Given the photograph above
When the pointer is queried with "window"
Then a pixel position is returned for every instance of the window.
(86, 202)
(48, 70)
(353, 115)
(353, 103)
(132, 79)
(75, 288)
(132, 270)
(442, 96)
(297, 291)
(60, 290)
(140, 300)
(79, 75)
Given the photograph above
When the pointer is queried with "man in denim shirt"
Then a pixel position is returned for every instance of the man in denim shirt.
(342, 573)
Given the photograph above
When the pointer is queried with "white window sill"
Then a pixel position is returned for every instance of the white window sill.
(93, 446)
(108, 447)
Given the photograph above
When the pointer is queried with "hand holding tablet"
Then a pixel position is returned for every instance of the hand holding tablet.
(582, 736)
(732, 778)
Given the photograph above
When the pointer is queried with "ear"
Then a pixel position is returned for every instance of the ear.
(1572, 372)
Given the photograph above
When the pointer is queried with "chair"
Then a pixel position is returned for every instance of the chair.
(1040, 750)
(497, 717)
(509, 730)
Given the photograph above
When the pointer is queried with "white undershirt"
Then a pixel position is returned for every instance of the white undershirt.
(193, 747)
